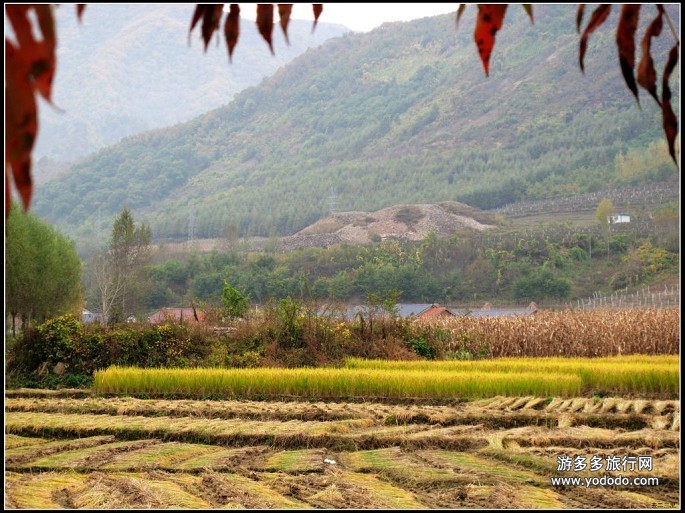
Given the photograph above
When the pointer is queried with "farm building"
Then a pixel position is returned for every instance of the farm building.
(423, 310)
(87, 317)
(618, 218)
(488, 311)
(176, 314)
(407, 310)
(498, 312)
(418, 310)
(435, 312)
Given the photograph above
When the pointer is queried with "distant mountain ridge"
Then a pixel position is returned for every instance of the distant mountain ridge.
(127, 68)
(400, 115)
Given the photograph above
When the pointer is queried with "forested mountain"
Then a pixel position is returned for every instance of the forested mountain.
(127, 68)
(402, 114)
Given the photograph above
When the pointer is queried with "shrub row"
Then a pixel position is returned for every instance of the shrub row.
(288, 335)
(85, 348)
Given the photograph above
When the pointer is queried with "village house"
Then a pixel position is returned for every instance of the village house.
(177, 315)
(417, 310)
(488, 311)
(87, 317)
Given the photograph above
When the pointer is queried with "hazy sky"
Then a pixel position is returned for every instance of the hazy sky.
(362, 17)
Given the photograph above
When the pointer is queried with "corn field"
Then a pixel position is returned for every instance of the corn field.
(588, 333)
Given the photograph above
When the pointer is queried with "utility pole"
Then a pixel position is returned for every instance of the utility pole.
(99, 229)
(590, 246)
(191, 228)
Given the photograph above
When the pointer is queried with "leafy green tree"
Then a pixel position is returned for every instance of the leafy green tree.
(340, 287)
(433, 252)
(288, 313)
(542, 283)
(235, 303)
(42, 269)
(652, 163)
(666, 226)
(604, 210)
(385, 301)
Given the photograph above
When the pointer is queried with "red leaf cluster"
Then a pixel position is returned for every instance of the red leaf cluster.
(210, 14)
(646, 73)
(488, 23)
(29, 69)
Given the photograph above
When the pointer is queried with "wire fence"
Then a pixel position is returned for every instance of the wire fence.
(654, 194)
(649, 297)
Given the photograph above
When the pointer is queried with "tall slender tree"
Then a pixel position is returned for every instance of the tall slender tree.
(604, 211)
(118, 272)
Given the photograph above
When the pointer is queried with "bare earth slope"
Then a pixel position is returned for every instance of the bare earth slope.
(399, 222)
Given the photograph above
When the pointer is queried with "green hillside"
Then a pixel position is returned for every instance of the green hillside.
(403, 114)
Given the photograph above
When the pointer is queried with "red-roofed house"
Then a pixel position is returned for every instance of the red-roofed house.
(176, 314)
(435, 311)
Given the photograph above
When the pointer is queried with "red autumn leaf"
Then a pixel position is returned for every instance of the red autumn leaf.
(646, 73)
(598, 17)
(460, 11)
(579, 16)
(79, 11)
(18, 16)
(210, 14)
(284, 11)
(529, 10)
(29, 67)
(199, 13)
(232, 29)
(43, 68)
(21, 121)
(669, 120)
(38, 56)
(318, 9)
(210, 23)
(625, 40)
(265, 22)
(490, 17)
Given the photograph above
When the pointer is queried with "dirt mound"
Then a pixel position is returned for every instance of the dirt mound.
(400, 222)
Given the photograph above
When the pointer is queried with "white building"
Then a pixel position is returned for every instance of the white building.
(618, 218)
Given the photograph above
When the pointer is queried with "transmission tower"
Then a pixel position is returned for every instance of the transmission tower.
(331, 202)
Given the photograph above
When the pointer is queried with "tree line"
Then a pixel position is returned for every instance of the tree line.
(45, 277)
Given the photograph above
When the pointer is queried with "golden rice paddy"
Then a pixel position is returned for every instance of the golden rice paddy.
(398, 380)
